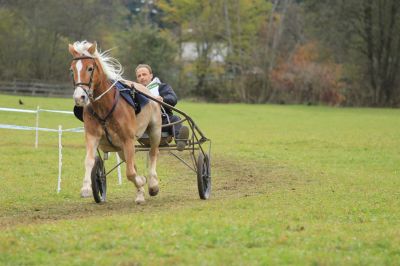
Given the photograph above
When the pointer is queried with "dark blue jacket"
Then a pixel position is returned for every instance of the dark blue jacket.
(168, 95)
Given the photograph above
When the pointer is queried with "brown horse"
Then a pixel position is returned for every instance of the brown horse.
(111, 124)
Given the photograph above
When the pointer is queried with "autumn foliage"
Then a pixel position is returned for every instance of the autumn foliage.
(305, 79)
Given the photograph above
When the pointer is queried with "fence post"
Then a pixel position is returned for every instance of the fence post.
(59, 158)
(37, 128)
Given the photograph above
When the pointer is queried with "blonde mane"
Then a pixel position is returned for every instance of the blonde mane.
(111, 67)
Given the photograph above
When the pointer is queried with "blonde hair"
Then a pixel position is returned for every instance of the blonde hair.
(144, 66)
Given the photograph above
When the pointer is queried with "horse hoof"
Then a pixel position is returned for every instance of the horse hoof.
(139, 200)
(153, 191)
(86, 193)
(140, 197)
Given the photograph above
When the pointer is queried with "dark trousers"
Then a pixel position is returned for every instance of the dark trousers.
(172, 129)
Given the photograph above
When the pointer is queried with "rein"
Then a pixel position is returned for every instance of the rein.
(101, 95)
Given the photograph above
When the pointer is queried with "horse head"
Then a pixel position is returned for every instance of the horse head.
(84, 71)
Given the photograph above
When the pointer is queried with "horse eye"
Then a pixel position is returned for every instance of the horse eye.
(90, 69)
(71, 72)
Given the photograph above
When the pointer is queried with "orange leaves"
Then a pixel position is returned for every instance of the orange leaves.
(306, 54)
(304, 79)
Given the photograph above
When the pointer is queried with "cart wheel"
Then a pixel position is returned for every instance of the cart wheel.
(99, 182)
(203, 176)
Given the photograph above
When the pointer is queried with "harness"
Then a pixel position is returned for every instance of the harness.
(89, 93)
(103, 121)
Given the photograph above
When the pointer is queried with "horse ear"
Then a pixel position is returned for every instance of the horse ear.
(72, 50)
(92, 48)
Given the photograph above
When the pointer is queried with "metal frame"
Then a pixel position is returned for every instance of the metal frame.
(195, 142)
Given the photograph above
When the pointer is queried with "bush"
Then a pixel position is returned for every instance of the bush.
(305, 80)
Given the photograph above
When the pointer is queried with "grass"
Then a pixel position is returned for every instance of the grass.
(291, 185)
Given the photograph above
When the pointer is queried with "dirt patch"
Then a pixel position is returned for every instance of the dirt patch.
(230, 179)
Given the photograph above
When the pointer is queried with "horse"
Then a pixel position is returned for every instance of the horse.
(109, 123)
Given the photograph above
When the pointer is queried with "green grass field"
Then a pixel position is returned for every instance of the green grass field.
(299, 185)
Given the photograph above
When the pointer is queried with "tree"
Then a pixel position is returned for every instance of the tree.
(195, 22)
(363, 35)
(223, 29)
(147, 45)
(38, 32)
(12, 55)
(304, 79)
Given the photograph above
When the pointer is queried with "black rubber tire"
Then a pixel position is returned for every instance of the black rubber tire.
(203, 176)
(99, 182)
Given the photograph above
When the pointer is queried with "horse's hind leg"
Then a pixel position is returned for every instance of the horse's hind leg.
(139, 181)
(153, 181)
(153, 154)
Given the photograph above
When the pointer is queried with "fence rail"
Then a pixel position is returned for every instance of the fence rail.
(60, 132)
(35, 88)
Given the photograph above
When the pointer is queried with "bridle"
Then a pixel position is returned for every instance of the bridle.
(89, 91)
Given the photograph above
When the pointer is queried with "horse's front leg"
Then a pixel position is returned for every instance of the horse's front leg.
(139, 181)
(91, 146)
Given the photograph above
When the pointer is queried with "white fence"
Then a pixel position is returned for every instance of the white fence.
(59, 131)
(37, 128)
